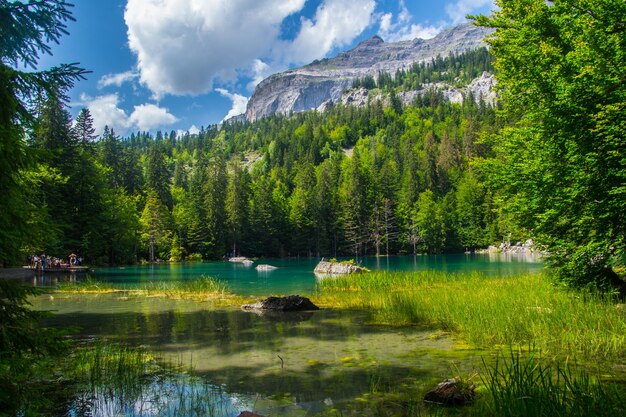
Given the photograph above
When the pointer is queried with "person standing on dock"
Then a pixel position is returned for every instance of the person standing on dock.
(72, 260)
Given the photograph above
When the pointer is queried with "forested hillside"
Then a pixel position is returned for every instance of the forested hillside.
(349, 181)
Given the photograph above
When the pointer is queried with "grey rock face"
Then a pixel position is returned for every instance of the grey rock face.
(308, 87)
(484, 87)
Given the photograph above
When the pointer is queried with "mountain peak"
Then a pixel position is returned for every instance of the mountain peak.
(307, 87)
(373, 41)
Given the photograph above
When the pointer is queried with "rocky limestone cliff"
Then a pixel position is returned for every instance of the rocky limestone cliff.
(482, 87)
(325, 80)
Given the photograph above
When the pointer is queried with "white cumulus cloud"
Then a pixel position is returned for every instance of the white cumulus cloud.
(150, 116)
(239, 102)
(117, 79)
(336, 23)
(461, 8)
(182, 46)
(106, 111)
(401, 28)
(260, 70)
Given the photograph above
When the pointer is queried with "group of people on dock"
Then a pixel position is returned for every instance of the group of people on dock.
(43, 262)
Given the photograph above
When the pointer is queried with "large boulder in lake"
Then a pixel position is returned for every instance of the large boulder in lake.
(337, 268)
(287, 303)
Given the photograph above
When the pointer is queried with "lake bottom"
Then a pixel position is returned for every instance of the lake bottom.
(296, 364)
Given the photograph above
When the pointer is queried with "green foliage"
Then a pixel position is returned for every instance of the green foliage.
(562, 160)
(24, 344)
(25, 30)
(155, 223)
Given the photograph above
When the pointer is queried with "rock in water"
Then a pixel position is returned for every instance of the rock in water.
(248, 414)
(451, 392)
(288, 303)
(337, 268)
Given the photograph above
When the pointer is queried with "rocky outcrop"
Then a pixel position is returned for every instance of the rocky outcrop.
(238, 259)
(337, 268)
(287, 303)
(528, 247)
(308, 87)
(483, 88)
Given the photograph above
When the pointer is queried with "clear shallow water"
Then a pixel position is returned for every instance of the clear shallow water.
(296, 275)
(282, 364)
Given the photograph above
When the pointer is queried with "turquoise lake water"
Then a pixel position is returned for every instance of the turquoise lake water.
(296, 275)
(292, 365)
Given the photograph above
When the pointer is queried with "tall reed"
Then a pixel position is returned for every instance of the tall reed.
(524, 386)
(488, 311)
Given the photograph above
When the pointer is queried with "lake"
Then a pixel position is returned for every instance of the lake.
(290, 365)
(294, 276)
(299, 364)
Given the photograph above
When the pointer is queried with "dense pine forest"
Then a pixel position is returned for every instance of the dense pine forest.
(387, 178)
(384, 179)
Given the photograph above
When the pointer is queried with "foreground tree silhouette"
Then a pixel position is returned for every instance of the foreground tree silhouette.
(25, 31)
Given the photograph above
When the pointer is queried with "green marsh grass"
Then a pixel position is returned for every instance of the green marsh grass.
(201, 289)
(487, 311)
(525, 386)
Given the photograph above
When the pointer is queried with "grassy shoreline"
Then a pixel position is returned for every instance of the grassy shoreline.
(564, 340)
(489, 311)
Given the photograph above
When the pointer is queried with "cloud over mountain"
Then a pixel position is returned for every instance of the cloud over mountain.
(184, 46)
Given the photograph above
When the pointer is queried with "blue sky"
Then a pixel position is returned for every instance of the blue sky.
(182, 64)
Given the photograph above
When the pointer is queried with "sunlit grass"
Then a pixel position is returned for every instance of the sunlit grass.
(201, 289)
(487, 311)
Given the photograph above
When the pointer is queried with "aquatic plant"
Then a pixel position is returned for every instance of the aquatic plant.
(88, 285)
(524, 386)
(112, 379)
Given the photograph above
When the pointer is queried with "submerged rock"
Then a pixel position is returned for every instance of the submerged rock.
(451, 392)
(248, 414)
(287, 303)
